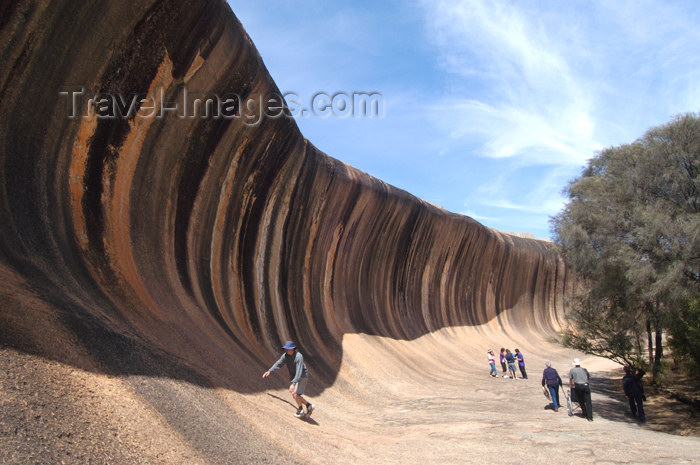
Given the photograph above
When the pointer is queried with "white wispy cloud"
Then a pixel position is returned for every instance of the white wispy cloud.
(492, 106)
(547, 85)
(523, 97)
(466, 211)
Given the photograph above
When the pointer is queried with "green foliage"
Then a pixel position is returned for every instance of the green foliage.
(606, 326)
(631, 231)
(684, 329)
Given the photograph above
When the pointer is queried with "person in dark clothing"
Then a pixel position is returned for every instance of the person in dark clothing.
(298, 373)
(521, 362)
(552, 380)
(634, 390)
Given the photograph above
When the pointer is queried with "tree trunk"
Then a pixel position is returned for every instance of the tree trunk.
(659, 345)
(658, 330)
(650, 342)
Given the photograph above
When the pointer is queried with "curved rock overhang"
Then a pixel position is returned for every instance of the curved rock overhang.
(208, 241)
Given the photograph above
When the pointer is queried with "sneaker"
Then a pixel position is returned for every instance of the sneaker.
(300, 412)
(309, 408)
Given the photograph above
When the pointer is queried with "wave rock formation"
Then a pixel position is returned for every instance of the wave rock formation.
(216, 233)
(160, 241)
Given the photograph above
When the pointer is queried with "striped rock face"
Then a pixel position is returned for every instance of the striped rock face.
(154, 197)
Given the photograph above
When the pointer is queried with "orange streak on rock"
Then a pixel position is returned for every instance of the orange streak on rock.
(77, 173)
(118, 200)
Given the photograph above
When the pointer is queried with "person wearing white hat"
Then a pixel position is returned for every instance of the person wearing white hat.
(579, 379)
(298, 373)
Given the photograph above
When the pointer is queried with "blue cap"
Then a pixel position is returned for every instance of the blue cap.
(289, 345)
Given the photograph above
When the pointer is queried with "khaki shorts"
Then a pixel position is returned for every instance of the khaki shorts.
(301, 386)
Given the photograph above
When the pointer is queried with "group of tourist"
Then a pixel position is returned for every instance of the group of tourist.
(579, 380)
(579, 383)
(508, 360)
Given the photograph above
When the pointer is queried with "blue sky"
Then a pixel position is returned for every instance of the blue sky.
(490, 107)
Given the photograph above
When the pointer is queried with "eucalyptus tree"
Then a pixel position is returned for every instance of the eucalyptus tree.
(631, 230)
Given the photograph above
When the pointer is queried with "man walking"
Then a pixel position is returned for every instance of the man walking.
(578, 381)
(634, 390)
(299, 376)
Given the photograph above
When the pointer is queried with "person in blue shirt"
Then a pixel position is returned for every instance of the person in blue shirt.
(521, 362)
(298, 373)
(510, 360)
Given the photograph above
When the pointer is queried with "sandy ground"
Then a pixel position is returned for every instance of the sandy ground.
(427, 401)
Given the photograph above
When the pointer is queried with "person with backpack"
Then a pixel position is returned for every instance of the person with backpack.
(298, 373)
